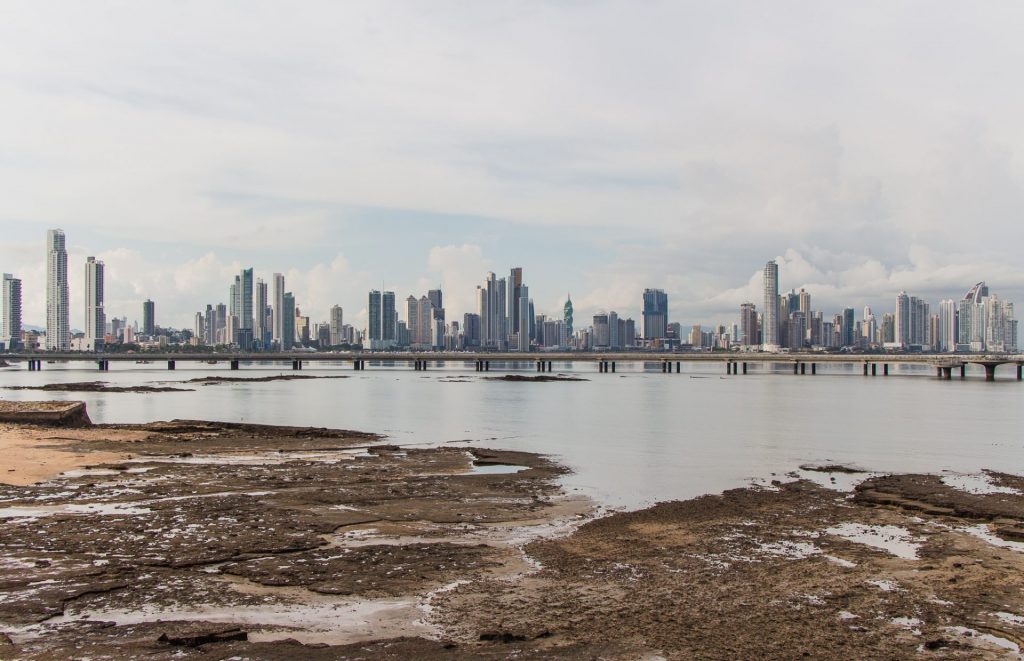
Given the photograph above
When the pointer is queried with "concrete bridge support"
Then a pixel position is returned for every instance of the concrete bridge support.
(874, 369)
(865, 369)
(296, 364)
(170, 364)
(1020, 372)
(990, 371)
(744, 367)
(234, 364)
(803, 368)
(34, 365)
(796, 367)
(103, 365)
(677, 366)
(885, 369)
(814, 368)
(963, 372)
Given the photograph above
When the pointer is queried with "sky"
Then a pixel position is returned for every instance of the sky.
(605, 147)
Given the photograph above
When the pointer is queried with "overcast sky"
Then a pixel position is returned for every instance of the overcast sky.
(603, 146)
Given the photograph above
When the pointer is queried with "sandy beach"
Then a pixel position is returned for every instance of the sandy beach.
(35, 454)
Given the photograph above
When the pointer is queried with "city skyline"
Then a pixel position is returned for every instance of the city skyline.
(203, 154)
(976, 322)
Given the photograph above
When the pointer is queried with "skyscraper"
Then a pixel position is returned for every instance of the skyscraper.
(902, 320)
(515, 282)
(523, 314)
(389, 320)
(277, 307)
(337, 321)
(947, 331)
(373, 323)
(848, 328)
(95, 319)
(10, 322)
(259, 314)
(655, 314)
(437, 303)
(412, 318)
(567, 315)
(57, 315)
(770, 314)
(287, 321)
(748, 325)
(245, 317)
(148, 317)
(424, 323)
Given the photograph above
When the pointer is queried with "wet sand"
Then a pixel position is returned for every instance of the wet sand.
(224, 540)
(34, 454)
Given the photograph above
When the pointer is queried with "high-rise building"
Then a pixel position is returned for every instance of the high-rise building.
(336, 323)
(277, 309)
(412, 318)
(388, 320)
(523, 314)
(515, 282)
(471, 329)
(437, 303)
(748, 325)
(148, 317)
(58, 324)
(848, 334)
(245, 316)
(425, 323)
(259, 314)
(567, 315)
(655, 314)
(95, 318)
(373, 323)
(10, 322)
(288, 321)
(770, 314)
(947, 330)
(902, 320)
(602, 336)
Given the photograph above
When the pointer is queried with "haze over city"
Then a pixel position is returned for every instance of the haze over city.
(400, 147)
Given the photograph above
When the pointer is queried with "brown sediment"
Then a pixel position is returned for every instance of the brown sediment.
(215, 380)
(540, 378)
(98, 386)
(830, 468)
(264, 542)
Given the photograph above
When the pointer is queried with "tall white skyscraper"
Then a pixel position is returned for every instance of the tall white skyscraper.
(277, 310)
(58, 324)
(947, 336)
(95, 318)
(10, 322)
(770, 315)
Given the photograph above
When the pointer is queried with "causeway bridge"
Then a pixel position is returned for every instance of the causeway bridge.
(606, 362)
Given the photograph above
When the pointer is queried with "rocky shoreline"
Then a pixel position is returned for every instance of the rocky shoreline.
(212, 540)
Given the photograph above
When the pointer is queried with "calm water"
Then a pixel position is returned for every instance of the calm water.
(632, 438)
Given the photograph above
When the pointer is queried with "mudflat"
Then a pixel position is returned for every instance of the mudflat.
(212, 540)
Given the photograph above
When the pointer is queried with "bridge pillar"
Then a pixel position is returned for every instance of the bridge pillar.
(814, 368)
(234, 364)
(1020, 372)
(990, 372)
(938, 374)
(948, 373)
(613, 366)
(487, 366)
(796, 366)
(874, 369)
(677, 367)
(549, 365)
(885, 369)
(745, 368)
(963, 371)
(170, 364)
(295, 365)
(538, 366)
(803, 368)
(865, 369)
